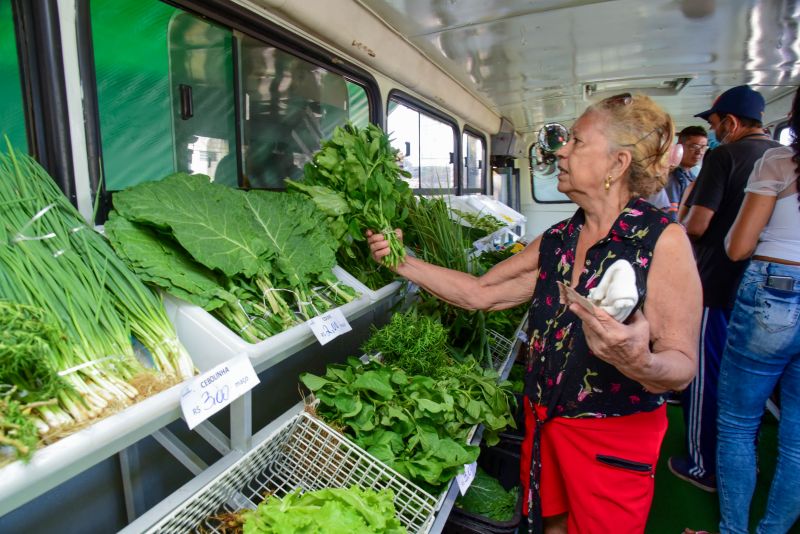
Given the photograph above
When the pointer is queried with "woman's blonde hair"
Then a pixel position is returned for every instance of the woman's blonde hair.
(637, 124)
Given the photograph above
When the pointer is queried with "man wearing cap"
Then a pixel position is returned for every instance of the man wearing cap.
(714, 203)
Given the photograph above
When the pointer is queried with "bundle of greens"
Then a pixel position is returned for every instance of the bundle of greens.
(27, 338)
(416, 424)
(51, 260)
(488, 498)
(331, 510)
(28, 379)
(415, 343)
(356, 181)
(436, 238)
(259, 261)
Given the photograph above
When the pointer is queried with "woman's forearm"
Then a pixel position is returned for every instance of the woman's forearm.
(505, 285)
(663, 371)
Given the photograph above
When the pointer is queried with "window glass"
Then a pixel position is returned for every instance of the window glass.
(12, 115)
(785, 136)
(131, 56)
(167, 99)
(473, 175)
(403, 126)
(290, 107)
(544, 178)
(202, 103)
(428, 144)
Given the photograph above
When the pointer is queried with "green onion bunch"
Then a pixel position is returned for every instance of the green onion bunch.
(87, 303)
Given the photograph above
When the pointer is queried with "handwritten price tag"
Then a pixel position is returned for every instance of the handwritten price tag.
(329, 326)
(465, 479)
(210, 392)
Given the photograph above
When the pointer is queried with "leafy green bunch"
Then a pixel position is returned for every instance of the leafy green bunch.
(487, 497)
(355, 180)
(260, 261)
(331, 510)
(416, 424)
(415, 343)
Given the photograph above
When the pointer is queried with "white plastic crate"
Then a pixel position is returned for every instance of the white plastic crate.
(486, 205)
(304, 453)
(210, 342)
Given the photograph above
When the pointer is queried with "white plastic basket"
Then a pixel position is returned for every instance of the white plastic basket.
(304, 453)
(210, 342)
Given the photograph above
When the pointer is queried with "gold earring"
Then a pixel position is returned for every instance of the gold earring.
(608, 182)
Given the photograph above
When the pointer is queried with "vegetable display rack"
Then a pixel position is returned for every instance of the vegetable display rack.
(500, 347)
(304, 453)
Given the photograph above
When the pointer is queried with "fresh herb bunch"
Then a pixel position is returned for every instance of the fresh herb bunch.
(355, 180)
(332, 510)
(487, 497)
(415, 343)
(27, 338)
(418, 425)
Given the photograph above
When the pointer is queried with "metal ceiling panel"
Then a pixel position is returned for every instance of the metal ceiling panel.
(529, 61)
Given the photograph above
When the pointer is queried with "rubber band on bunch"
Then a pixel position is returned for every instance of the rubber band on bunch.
(90, 363)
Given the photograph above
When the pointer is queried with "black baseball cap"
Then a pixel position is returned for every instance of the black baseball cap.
(741, 101)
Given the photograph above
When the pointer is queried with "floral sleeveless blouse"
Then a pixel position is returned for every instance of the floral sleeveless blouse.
(563, 375)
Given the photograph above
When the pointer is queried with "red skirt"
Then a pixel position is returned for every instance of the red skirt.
(600, 471)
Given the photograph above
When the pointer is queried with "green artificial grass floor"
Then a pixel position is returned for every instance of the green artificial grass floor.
(678, 504)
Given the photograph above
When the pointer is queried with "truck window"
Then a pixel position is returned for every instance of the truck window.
(427, 145)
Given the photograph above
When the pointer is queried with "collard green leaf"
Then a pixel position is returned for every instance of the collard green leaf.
(205, 219)
(294, 234)
(160, 260)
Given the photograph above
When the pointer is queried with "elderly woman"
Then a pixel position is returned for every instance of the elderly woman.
(594, 386)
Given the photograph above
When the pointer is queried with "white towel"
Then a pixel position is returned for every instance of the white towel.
(616, 293)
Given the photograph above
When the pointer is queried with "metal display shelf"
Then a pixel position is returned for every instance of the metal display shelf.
(56, 463)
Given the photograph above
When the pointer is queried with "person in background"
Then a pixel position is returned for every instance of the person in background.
(713, 204)
(594, 403)
(694, 140)
(763, 347)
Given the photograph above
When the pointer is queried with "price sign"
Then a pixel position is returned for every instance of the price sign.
(329, 326)
(210, 392)
(465, 479)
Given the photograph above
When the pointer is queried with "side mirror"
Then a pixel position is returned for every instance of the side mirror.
(553, 136)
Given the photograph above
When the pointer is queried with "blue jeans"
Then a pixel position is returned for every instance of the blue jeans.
(763, 350)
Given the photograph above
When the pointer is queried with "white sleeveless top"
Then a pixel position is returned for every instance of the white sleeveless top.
(775, 174)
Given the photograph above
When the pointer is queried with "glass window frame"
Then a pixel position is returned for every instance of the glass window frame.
(436, 114)
(463, 189)
(532, 165)
(238, 19)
